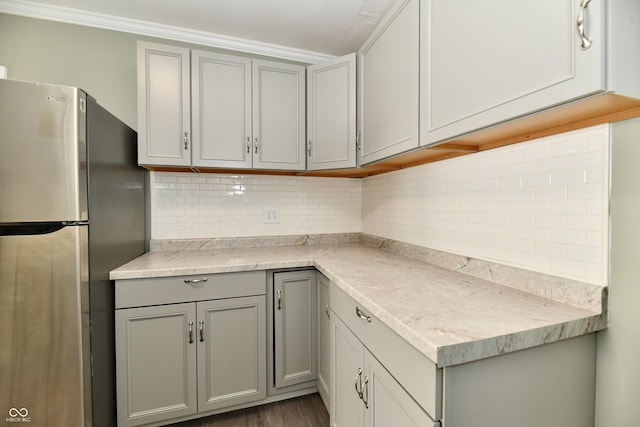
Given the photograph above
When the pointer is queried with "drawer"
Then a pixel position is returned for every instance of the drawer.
(412, 369)
(177, 289)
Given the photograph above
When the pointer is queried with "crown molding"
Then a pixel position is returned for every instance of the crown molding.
(151, 29)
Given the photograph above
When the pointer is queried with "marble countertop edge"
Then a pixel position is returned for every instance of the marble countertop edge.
(466, 352)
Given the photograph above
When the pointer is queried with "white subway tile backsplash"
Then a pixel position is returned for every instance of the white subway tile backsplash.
(187, 205)
(540, 205)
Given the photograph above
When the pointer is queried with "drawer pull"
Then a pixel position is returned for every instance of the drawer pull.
(190, 332)
(201, 330)
(359, 382)
(194, 281)
(362, 315)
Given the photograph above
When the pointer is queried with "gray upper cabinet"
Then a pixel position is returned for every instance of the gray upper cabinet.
(278, 115)
(483, 63)
(388, 81)
(245, 113)
(331, 114)
(164, 113)
(221, 86)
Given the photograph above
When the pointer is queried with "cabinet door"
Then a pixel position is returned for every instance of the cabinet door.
(486, 62)
(295, 339)
(347, 356)
(155, 363)
(278, 115)
(324, 340)
(231, 335)
(164, 115)
(331, 114)
(388, 72)
(387, 403)
(221, 96)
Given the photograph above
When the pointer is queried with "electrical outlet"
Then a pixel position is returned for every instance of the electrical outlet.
(271, 216)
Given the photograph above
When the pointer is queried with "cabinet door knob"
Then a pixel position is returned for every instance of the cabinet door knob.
(585, 41)
(190, 332)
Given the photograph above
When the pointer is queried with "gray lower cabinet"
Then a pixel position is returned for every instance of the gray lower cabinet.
(378, 379)
(294, 329)
(155, 359)
(231, 360)
(176, 361)
(324, 340)
(364, 392)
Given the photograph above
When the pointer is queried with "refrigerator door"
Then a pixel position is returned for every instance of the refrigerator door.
(42, 153)
(43, 322)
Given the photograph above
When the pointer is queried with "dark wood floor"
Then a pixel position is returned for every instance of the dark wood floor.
(305, 411)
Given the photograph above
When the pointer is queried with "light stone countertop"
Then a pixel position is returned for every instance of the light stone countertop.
(449, 316)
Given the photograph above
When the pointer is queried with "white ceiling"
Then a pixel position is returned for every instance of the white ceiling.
(331, 27)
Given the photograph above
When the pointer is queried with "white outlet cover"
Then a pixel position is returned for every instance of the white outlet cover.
(271, 216)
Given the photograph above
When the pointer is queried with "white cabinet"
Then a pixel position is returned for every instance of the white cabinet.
(178, 357)
(364, 393)
(388, 81)
(483, 63)
(324, 339)
(295, 328)
(164, 113)
(245, 113)
(331, 114)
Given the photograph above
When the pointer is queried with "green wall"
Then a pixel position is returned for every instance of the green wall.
(101, 62)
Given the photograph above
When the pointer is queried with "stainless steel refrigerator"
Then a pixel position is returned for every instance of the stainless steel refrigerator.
(72, 208)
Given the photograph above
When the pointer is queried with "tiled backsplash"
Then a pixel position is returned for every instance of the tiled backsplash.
(189, 205)
(540, 205)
